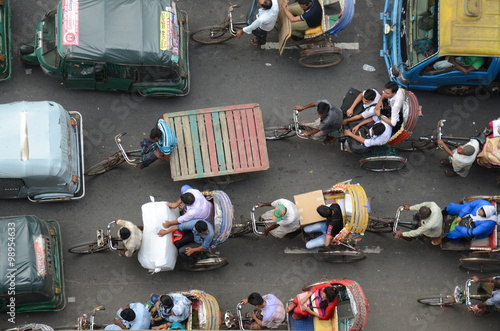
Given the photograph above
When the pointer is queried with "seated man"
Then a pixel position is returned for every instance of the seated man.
(198, 235)
(378, 135)
(465, 64)
(131, 236)
(303, 14)
(329, 121)
(429, 218)
(196, 206)
(369, 98)
(391, 105)
(329, 228)
(270, 311)
(171, 307)
(283, 220)
(489, 285)
(134, 316)
(160, 144)
(264, 22)
(461, 158)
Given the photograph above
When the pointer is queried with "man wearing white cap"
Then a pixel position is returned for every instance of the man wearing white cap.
(281, 221)
(461, 158)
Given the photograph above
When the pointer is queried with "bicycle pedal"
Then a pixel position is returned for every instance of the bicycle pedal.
(100, 238)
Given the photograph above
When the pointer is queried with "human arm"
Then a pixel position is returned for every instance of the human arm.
(163, 232)
(445, 147)
(359, 139)
(269, 229)
(310, 133)
(289, 15)
(352, 119)
(380, 104)
(119, 323)
(262, 204)
(161, 156)
(463, 68)
(301, 108)
(174, 205)
(356, 102)
(168, 224)
(193, 250)
(328, 240)
(360, 124)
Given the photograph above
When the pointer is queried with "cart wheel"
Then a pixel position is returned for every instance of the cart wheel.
(458, 90)
(211, 35)
(336, 256)
(228, 179)
(105, 165)
(278, 132)
(416, 144)
(240, 229)
(380, 225)
(87, 248)
(383, 163)
(443, 300)
(321, 60)
(210, 263)
(479, 264)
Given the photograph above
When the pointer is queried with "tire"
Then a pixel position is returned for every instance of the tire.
(415, 144)
(211, 35)
(89, 247)
(443, 300)
(211, 263)
(380, 225)
(479, 264)
(278, 132)
(460, 90)
(228, 179)
(240, 229)
(337, 256)
(383, 163)
(320, 60)
(105, 165)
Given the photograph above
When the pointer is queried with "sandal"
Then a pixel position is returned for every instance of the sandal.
(450, 173)
(436, 242)
(254, 42)
(445, 162)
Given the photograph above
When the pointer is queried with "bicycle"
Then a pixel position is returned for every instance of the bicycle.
(132, 157)
(390, 224)
(218, 33)
(103, 242)
(459, 297)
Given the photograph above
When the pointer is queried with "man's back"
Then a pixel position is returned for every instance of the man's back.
(313, 15)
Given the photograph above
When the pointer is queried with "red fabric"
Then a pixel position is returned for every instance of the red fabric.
(177, 235)
(315, 297)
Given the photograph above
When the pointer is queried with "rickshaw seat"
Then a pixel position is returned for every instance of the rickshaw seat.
(320, 29)
(485, 244)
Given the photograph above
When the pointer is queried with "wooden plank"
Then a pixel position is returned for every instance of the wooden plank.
(188, 143)
(198, 159)
(238, 127)
(254, 146)
(225, 140)
(214, 167)
(174, 158)
(233, 139)
(210, 110)
(181, 147)
(246, 138)
(218, 142)
(203, 143)
(261, 138)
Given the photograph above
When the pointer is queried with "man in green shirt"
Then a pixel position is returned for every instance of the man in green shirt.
(429, 218)
(465, 64)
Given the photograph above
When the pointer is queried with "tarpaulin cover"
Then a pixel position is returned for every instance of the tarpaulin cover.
(123, 32)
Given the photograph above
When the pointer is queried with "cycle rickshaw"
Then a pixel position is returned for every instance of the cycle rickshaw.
(157, 213)
(355, 208)
(350, 314)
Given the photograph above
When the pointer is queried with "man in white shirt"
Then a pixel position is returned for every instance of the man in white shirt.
(380, 133)
(395, 98)
(369, 98)
(283, 220)
(264, 22)
(461, 158)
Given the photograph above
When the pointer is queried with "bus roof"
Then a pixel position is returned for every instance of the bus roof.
(469, 27)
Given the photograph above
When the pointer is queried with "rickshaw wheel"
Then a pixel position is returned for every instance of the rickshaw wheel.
(383, 163)
(87, 248)
(240, 229)
(321, 60)
(105, 165)
(278, 132)
(479, 264)
(211, 263)
(339, 256)
(443, 300)
(415, 144)
(460, 90)
(228, 179)
(211, 35)
(380, 224)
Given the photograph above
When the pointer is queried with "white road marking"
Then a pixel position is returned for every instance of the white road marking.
(365, 249)
(275, 45)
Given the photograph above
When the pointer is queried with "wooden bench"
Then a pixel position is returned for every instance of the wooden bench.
(217, 141)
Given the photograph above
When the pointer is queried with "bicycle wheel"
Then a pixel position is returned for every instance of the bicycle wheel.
(420, 144)
(87, 248)
(380, 225)
(479, 264)
(211, 35)
(320, 60)
(278, 132)
(443, 300)
(105, 165)
(383, 163)
(240, 229)
(207, 264)
(338, 256)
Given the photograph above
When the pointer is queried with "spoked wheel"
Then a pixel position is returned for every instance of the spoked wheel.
(105, 165)
(416, 144)
(87, 248)
(240, 229)
(380, 225)
(338, 256)
(321, 60)
(458, 90)
(210, 263)
(479, 264)
(443, 300)
(278, 132)
(211, 35)
(228, 179)
(383, 163)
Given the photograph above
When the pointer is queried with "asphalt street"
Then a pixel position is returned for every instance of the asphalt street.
(395, 273)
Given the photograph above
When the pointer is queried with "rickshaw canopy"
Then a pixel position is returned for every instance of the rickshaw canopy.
(469, 27)
(123, 32)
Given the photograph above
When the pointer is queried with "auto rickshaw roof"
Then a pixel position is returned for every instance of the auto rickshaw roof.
(33, 139)
(137, 32)
(469, 27)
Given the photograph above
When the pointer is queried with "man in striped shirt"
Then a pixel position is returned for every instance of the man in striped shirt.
(160, 144)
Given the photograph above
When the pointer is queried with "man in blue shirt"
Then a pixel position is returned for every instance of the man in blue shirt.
(134, 316)
(198, 235)
(303, 14)
(160, 144)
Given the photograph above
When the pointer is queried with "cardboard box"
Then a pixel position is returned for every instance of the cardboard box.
(307, 204)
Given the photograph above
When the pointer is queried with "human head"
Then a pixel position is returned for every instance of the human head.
(124, 233)
(266, 4)
(127, 314)
(369, 96)
(324, 211)
(323, 108)
(424, 212)
(486, 211)
(330, 292)
(201, 227)
(187, 198)
(304, 4)
(155, 134)
(279, 212)
(496, 283)
(466, 150)
(378, 129)
(390, 89)
(166, 301)
(255, 299)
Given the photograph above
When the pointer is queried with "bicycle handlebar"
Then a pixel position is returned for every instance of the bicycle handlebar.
(254, 222)
(118, 142)
(230, 18)
(396, 218)
(110, 242)
(468, 302)
(439, 129)
(238, 312)
(296, 125)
